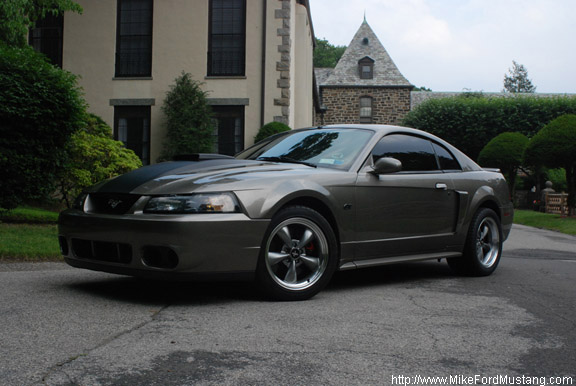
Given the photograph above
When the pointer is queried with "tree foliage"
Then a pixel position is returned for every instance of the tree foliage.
(554, 146)
(269, 129)
(17, 16)
(326, 54)
(506, 152)
(93, 156)
(40, 107)
(471, 122)
(188, 119)
(517, 80)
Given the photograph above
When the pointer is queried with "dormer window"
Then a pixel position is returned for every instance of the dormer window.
(366, 68)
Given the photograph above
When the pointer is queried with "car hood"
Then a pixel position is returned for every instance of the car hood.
(181, 177)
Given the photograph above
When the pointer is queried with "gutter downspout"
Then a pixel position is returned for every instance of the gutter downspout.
(263, 80)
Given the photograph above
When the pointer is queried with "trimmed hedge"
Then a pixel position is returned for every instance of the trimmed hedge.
(269, 129)
(555, 146)
(469, 123)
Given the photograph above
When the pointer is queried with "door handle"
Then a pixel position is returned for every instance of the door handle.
(441, 186)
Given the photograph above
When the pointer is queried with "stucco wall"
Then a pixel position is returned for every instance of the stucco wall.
(180, 43)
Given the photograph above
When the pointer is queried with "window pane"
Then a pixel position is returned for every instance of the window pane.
(365, 110)
(134, 41)
(447, 161)
(46, 37)
(226, 52)
(132, 127)
(416, 154)
(229, 137)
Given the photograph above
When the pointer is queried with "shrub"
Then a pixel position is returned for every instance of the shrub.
(505, 151)
(269, 129)
(94, 156)
(40, 107)
(188, 119)
(470, 123)
(555, 146)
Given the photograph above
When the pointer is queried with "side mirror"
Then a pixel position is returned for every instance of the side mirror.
(386, 165)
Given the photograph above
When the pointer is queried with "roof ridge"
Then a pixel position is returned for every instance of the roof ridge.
(366, 43)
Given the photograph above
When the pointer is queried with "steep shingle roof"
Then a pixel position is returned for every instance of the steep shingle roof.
(366, 44)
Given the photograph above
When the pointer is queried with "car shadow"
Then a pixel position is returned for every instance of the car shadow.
(404, 273)
(154, 292)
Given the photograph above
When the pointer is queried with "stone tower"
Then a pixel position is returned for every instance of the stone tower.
(365, 86)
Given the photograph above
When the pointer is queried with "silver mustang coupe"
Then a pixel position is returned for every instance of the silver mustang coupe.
(294, 208)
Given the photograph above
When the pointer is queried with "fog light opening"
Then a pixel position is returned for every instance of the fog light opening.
(159, 257)
(64, 250)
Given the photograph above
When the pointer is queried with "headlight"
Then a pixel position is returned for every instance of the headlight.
(194, 203)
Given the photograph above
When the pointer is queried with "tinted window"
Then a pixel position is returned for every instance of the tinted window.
(330, 148)
(227, 38)
(134, 38)
(416, 154)
(447, 161)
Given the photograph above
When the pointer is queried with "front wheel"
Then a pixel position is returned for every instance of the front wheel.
(483, 246)
(298, 255)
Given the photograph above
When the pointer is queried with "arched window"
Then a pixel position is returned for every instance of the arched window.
(365, 109)
(366, 68)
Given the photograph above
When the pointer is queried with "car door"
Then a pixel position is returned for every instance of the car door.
(408, 212)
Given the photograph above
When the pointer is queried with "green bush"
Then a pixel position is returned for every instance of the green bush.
(555, 147)
(19, 15)
(94, 156)
(471, 122)
(506, 152)
(188, 119)
(269, 129)
(40, 107)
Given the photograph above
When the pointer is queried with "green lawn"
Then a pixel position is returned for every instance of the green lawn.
(28, 215)
(28, 233)
(29, 242)
(553, 222)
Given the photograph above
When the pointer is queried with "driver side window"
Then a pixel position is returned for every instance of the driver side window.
(415, 153)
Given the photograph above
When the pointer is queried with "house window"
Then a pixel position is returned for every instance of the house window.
(366, 68)
(134, 38)
(227, 38)
(228, 129)
(366, 110)
(132, 127)
(46, 38)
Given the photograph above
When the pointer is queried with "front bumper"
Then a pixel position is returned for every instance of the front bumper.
(161, 245)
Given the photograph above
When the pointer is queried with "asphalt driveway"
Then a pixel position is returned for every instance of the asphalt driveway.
(63, 326)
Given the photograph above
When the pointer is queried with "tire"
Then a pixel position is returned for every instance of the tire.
(483, 247)
(298, 256)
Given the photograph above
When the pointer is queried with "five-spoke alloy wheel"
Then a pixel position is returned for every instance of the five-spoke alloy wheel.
(483, 245)
(298, 254)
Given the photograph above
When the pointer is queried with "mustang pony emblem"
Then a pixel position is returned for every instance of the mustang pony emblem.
(114, 203)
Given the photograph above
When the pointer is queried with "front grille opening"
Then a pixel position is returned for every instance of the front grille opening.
(102, 251)
(111, 203)
(159, 257)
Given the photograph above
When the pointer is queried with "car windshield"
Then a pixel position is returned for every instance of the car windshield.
(331, 148)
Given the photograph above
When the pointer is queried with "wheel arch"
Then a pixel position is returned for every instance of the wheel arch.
(317, 205)
(490, 203)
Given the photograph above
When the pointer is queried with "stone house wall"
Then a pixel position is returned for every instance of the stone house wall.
(389, 105)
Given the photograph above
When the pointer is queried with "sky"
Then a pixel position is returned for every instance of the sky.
(463, 45)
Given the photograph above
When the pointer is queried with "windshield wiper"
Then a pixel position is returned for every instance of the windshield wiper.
(286, 160)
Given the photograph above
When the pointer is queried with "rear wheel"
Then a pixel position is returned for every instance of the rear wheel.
(483, 245)
(298, 255)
